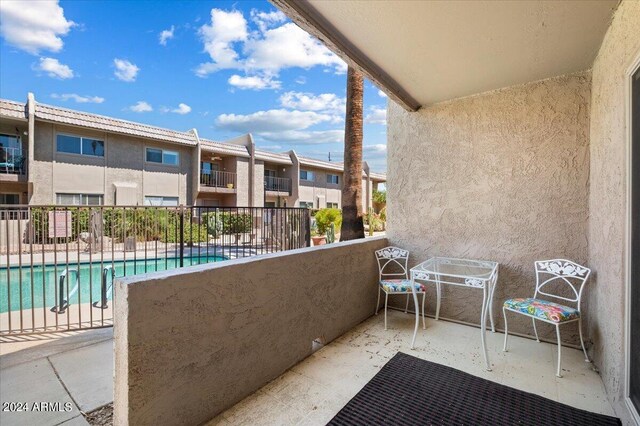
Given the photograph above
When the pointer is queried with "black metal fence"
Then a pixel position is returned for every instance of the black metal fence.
(58, 263)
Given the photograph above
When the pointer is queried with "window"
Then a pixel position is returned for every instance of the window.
(11, 142)
(162, 156)
(79, 145)
(160, 201)
(307, 175)
(334, 179)
(332, 205)
(79, 199)
(306, 204)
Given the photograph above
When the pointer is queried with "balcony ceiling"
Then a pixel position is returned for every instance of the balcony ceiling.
(424, 52)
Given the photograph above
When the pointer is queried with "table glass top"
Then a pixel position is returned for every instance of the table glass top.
(462, 268)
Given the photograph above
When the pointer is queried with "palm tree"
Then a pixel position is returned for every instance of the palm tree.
(352, 223)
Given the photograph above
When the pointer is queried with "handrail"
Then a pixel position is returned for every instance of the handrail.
(272, 183)
(218, 179)
(12, 161)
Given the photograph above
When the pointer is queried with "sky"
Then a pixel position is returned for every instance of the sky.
(224, 68)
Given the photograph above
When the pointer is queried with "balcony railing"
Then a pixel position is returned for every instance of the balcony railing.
(277, 184)
(12, 161)
(218, 179)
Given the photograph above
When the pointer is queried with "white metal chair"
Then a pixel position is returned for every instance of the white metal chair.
(394, 278)
(561, 273)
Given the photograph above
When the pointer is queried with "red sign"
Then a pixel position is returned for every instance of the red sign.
(60, 224)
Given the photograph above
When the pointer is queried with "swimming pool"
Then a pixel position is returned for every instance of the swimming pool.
(45, 278)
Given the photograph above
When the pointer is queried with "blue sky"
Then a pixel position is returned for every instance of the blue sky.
(225, 68)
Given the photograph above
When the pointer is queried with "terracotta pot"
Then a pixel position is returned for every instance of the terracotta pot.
(318, 241)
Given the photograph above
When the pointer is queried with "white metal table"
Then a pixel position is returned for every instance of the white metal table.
(478, 274)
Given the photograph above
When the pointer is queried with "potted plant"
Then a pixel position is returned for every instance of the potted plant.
(317, 238)
(230, 185)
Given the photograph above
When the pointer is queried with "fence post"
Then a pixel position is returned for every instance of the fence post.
(181, 238)
(307, 231)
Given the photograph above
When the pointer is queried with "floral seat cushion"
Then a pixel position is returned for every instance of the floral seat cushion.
(542, 309)
(399, 285)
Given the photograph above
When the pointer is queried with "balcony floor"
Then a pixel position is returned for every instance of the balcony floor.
(312, 392)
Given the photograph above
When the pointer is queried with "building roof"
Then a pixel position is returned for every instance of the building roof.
(224, 148)
(273, 157)
(13, 109)
(100, 122)
(312, 162)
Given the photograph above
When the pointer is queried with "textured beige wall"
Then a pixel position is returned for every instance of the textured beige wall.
(124, 161)
(193, 342)
(607, 201)
(499, 176)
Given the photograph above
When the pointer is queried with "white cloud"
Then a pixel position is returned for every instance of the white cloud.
(218, 37)
(182, 109)
(288, 46)
(274, 120)
(376, 116)
(166, 35)
(78, 98)
(253, 82)
(141, 106)
(382, 94)
(33, 25)
(305, 137)
(301, 80)
(264, 20)
(54, 68)
(376, 156)
(125, 70)
(379, 148)
(261, 54)
(325, 102)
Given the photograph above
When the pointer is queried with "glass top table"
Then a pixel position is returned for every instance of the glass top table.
(479, 274)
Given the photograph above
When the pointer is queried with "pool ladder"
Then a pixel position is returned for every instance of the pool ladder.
(63, 303)
(105, 289)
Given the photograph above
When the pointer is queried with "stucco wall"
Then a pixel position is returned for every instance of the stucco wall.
(190, 343)
(607, 201)
(499, 176)
(124, 161)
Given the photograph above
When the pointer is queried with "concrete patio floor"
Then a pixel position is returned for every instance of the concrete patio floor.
(78, 368)
(74, 368)
(312, 392)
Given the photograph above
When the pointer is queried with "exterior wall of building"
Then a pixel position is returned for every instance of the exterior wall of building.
(319, 191)
(247, 330)
(258, 184)
(499, 176)
(123, 162)
(607, 196)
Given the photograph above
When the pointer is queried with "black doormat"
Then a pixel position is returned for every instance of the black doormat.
(412, 391)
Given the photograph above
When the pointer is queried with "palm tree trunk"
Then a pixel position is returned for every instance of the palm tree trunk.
(352, 223)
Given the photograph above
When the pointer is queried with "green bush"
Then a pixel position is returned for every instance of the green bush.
(379, 197)
(383, 214)
(324, 217)
(227, 223)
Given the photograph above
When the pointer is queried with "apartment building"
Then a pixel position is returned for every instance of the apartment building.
(53, 155)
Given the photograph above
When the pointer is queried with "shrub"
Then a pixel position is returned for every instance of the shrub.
(227, 223)
(324, 217)
(379, 197)
(383, 214)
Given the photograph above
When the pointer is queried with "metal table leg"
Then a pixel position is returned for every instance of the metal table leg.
(483, 325)
(415, 301)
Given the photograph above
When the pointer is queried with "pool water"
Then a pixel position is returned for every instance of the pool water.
(45, 279)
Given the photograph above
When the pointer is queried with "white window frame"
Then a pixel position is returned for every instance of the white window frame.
(163, 201)
(82, 198)
(331, 205)
(306, 204)
(307, 174)
(329, 179)
(162, 151)
(71, 135)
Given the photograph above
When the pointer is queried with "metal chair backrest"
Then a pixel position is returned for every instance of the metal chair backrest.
(564, 272)
(392, 262)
